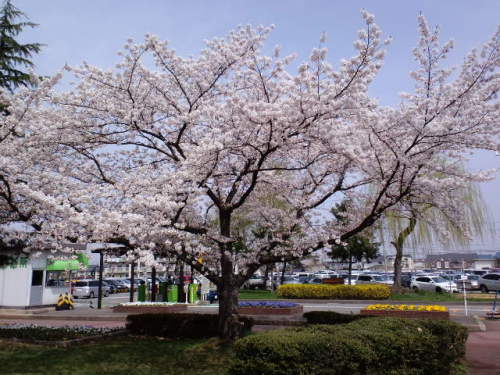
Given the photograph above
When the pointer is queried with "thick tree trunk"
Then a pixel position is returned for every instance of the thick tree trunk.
(230, 327)
(266, 277)
(228, 288)
(397, 266)
(398, 245)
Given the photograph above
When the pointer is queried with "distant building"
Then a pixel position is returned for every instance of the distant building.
(386, 264)
(458, 261)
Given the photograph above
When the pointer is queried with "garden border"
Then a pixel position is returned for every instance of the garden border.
(411, 314)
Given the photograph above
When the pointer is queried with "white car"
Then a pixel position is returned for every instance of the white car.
(490, 281)
(433, 284)
(88, 289)
(354, 279)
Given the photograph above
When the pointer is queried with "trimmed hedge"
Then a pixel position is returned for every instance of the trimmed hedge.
(331, 317)
(366, 346)
(321, 291)
(179, 325)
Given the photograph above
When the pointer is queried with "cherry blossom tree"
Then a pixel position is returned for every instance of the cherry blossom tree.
(168, 154)
(20, 215)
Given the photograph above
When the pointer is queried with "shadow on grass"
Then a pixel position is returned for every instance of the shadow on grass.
(119, 356)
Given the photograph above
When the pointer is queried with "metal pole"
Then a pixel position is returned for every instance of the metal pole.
(465, 298)
(101, 267)
(132, 272)
(153, 284)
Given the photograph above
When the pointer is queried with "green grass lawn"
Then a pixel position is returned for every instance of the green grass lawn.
(118, 356)
(258, 294)
(441, 297)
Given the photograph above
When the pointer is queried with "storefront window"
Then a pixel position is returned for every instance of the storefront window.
(56, 278)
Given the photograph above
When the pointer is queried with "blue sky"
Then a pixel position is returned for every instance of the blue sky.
(95, 30)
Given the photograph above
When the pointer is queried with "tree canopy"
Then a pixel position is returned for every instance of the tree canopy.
(152, 154)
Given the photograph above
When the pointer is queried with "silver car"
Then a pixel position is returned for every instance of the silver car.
(490, 281)
(433, 284)
(88, 289)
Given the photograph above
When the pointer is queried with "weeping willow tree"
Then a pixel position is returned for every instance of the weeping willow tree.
(419, 223)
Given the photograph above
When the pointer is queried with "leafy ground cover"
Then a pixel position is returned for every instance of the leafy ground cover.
(119, 356)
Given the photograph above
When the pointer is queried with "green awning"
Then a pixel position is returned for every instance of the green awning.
(68, 265)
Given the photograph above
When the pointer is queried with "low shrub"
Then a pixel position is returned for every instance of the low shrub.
(321, 291)
(365, 346)
(179, 325)
(39, 333)
(331, 317)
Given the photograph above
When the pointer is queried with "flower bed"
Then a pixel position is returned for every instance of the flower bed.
(54, 336)
(150, 307)
(269, 308)
(408, 311)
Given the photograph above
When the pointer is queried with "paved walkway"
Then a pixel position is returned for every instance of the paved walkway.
(483, 350)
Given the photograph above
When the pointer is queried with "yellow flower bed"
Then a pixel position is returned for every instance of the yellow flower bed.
(406, 307)
(325, 291)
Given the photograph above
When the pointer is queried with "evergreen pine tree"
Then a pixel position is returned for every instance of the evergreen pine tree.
(13, 55)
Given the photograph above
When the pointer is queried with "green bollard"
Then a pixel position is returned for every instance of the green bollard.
(141, 293)
(193, 296)
(172, 293)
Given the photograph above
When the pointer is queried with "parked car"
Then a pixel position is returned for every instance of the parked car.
(468, 282)
(255, 282)
(433, 284)
(88, 289)
(110, 285)
(406, 280)
(373, 279)
(354, 279)
(290, 280)
(212, 296)
(490, 281)
(121, 286)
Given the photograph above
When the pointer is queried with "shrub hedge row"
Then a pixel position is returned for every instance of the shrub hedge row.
(331, 317)
(322, 291)
(179, 325)
(366, 346)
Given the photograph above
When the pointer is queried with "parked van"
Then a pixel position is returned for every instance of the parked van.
(88, 289)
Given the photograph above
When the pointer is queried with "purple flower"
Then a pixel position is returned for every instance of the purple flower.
(268, 304)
